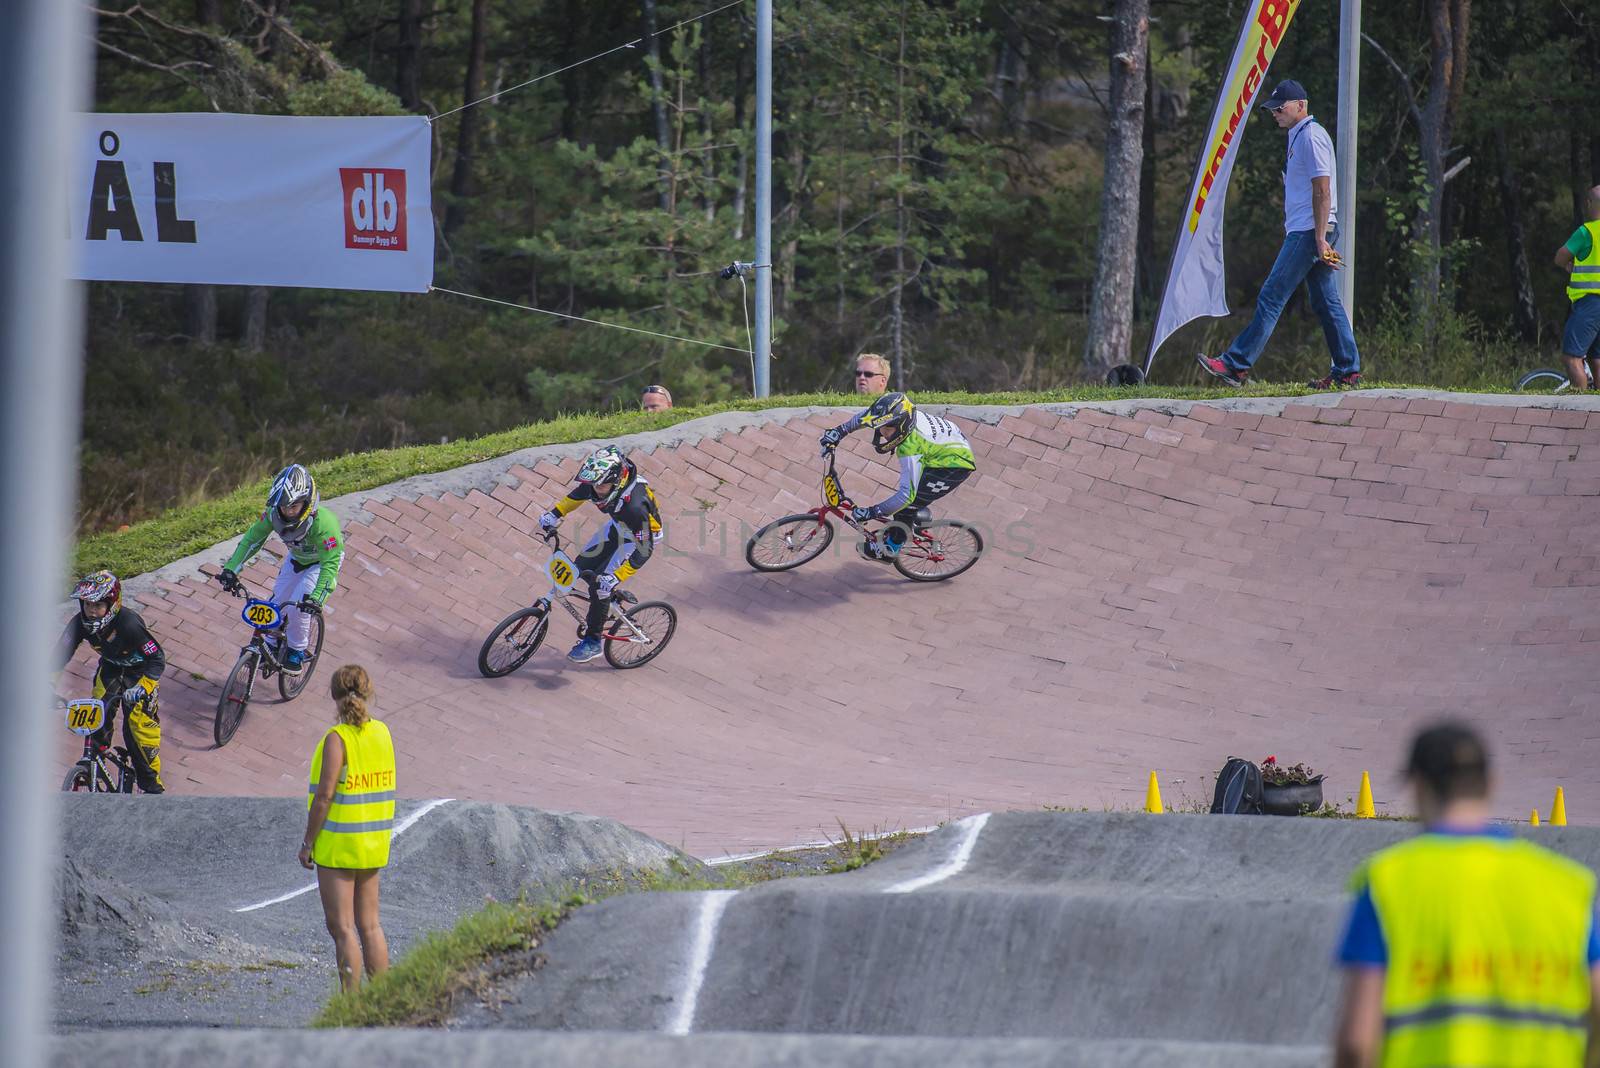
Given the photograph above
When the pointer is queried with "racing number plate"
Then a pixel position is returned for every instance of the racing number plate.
(561, 571)
(831, 491)
(262, 615)
(85, 716)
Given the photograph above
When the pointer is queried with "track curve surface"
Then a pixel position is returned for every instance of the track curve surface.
(1168, 583)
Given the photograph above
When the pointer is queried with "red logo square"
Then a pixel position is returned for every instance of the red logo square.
(374, 207)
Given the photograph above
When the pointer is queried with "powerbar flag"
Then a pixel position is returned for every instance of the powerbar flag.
(253, 200)
(1196, 280)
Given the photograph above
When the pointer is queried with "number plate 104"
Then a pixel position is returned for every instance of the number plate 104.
(86, 716)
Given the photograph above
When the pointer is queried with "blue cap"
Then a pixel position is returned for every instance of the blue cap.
(1287, 90)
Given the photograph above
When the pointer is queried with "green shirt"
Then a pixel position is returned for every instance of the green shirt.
(323, 544)
(1580, 244)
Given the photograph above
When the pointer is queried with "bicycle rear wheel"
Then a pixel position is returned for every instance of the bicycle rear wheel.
(235, 699)
(511, 643)
(788, 542)
(940, 550)
(1544, 380)
(657, 619)
(290, 685)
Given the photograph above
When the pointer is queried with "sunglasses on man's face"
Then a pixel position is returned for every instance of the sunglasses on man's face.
(869, 374)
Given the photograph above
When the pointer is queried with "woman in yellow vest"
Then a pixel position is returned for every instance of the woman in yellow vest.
(1466, 947)
(351, 813)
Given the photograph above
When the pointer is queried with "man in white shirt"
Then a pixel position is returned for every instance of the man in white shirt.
(1310, 229)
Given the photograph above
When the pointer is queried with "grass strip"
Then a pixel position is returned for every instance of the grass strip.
(420, 988)
(179, 532)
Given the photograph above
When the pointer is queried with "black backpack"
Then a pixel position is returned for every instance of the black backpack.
(1238, 789)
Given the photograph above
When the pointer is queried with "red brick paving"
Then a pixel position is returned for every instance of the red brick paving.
(1161, 592)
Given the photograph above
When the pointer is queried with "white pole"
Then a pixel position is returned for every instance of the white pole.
(763, 264)
(43, 71)
(1349, 121)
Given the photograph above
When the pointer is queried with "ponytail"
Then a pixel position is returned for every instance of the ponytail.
(352, 692)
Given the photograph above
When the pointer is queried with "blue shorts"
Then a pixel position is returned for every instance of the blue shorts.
(1582, 336)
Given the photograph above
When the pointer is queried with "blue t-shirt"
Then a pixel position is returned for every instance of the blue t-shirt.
(1364, 945)
(1310, 156)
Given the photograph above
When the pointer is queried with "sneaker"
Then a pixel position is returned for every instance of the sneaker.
(1215, 366)
(874, 552)
(1334, 380)
(294, 660)
(585, 651)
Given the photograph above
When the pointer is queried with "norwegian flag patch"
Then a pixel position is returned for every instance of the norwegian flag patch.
(151, 648)
(330, 542)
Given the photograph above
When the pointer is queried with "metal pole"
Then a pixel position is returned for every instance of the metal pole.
(43, 74)
(1349, 121)
(763, 268)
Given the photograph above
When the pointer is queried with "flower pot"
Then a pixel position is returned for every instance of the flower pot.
(1293, 799)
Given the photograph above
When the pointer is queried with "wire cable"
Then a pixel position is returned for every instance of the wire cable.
(597, 322)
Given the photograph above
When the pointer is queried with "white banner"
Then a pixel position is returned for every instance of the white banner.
(1196, 280)
(253, 200)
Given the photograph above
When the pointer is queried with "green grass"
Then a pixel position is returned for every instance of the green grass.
(419, 988)
(182, 531)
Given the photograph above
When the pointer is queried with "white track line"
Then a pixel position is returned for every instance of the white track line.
(969, 838)
(712, 902)
(404, 826)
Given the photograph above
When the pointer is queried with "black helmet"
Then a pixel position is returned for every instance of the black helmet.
(293, 487)
(890, 419)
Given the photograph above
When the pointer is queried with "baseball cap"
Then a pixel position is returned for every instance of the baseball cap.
(1286, 90)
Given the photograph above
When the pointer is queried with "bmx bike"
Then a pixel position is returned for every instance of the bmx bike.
(632, 636)
(934, 549)
(1546, 380)
(94, 771)
(263, 657)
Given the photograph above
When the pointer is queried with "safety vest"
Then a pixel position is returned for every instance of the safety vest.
(1486, 942)
(1586, 272)
(356, 834)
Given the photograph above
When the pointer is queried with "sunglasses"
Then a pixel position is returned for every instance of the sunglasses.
(869, 374)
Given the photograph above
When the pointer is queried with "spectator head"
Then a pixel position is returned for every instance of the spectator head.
(352, 692)
(872, 373)
(1448, 764)
(655, 399)
(1287, 102)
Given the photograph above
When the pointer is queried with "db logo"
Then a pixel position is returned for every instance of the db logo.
(374, 207)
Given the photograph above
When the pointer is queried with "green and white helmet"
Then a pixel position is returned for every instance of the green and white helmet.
(607, 466)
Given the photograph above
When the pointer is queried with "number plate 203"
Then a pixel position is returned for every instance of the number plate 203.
(86, 716)
(561, 571)
(262, 615)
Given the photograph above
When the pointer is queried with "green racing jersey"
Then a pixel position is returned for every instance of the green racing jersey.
(932, 444)
(323, 544)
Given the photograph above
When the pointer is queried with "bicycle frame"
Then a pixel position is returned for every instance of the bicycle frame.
(268, 654)
(565, 594)
(836, 502)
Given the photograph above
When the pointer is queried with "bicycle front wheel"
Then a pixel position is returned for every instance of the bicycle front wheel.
(235, 699)
(941, 550)
(624, 648)
(77, 780)
(1544, 380)
(788, 542)
(291, 686)
(510, 644)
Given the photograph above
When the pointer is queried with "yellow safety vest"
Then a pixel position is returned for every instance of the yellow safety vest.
(356, 834)
(1486, 943)
(1586, 272)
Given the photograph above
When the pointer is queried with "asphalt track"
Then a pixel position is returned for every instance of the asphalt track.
(1170, 583)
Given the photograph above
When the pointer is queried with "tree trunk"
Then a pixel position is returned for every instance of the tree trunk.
(255, 318)
(1448, 25)
(467, 135)
(200, 314)
(897, 316)
(1146, 294)
(408, 56)
(208, 12)
(658, 104)
(1580, 187)
(1524, 312)
(742, 182)
(1111, 308)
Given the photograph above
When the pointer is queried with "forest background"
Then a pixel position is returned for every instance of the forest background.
(938, 168)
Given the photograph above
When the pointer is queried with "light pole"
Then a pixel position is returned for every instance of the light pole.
(1349, 120)
(763, 261)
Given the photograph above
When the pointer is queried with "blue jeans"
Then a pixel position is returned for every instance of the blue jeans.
(1298, 262)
